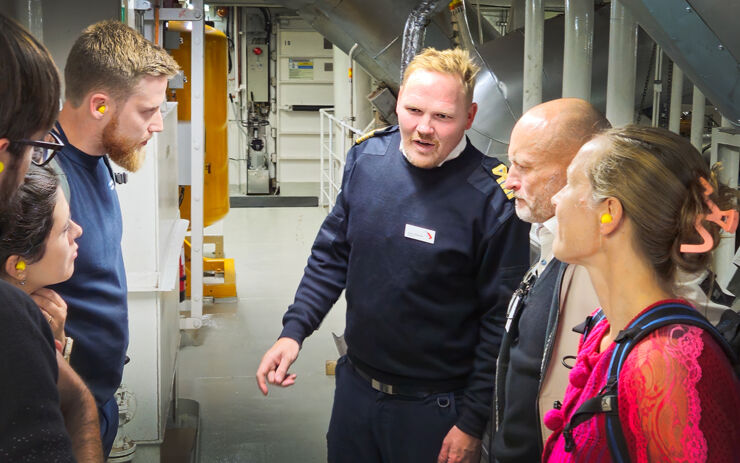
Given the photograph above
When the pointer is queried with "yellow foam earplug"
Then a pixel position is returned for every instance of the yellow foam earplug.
(606, 218)
(101, 109)
(20, 266)
(2, 167)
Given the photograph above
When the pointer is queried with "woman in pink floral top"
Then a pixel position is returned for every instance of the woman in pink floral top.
(632, 200)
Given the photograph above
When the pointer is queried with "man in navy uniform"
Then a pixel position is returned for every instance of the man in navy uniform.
(427, 244)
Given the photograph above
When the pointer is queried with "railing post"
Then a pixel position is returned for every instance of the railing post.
(340, 159)
(330, 201)
(336, 160)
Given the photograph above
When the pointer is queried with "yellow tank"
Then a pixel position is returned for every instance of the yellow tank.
(216, 167)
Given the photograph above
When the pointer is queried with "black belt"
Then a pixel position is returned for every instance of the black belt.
(390, 389)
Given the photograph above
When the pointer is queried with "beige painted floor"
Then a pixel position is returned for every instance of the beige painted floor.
(216, 365)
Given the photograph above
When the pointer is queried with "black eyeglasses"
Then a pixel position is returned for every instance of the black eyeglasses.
(44, 150)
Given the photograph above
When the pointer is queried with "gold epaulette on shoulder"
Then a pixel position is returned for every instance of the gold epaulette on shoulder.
(502, 172)
(370, 134)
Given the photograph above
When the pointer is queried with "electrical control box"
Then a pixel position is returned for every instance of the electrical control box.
(258, 72)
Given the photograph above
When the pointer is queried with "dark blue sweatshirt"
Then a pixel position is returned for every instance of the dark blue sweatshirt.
(97, 311)
(418, 313)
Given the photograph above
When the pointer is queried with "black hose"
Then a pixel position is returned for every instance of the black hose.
(268, 31)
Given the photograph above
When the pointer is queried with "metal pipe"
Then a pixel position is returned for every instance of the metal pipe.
(698, 109)
(534, 33)
(130, 13)
(674, 118)
(726, 151)
(332, 148)
(30, 14)
(480, 29)
(322, 153)
(550, 5)
(578, 51)
(657, 85)
(516, 15)
(197, 143)
(156, 25)
(620, 83)
(463, 36)
(351, 87)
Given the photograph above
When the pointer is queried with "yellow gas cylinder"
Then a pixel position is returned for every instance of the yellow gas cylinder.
(216, 167)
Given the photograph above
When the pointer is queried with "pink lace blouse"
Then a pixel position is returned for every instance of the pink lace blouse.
(679, 400)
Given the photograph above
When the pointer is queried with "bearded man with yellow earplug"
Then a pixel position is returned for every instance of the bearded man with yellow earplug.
(115, 82)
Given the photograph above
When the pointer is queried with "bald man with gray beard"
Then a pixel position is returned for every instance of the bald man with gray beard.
(543, 143)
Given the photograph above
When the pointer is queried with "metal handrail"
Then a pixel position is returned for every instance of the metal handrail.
(332, 157)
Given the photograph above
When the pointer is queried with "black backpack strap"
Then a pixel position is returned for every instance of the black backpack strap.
(604, 402)
(588, 324)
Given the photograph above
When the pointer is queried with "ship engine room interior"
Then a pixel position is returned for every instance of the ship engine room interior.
(252, 158)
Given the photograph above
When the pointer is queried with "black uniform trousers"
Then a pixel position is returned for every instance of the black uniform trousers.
(369, 426)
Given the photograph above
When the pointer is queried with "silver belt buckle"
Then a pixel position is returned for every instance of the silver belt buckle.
(378, 386)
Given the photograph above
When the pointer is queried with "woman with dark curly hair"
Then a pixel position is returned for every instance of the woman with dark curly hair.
(639, 204)
(46, 411)
(37, 243)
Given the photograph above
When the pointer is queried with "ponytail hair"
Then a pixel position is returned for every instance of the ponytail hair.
(656, 175)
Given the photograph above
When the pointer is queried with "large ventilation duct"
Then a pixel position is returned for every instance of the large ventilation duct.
(378, 29)
(499, 88)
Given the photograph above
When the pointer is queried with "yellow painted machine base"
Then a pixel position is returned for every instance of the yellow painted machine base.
(213, 267)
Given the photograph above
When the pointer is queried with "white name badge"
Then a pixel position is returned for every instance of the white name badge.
(419, 234)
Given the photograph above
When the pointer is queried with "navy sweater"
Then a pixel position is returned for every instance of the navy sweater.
(417, 313)
(96, 294)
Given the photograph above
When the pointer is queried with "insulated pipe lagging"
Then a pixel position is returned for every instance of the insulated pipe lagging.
(413, 32)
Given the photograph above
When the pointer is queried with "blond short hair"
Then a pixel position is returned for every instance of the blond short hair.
(112, 57)
(451, 61)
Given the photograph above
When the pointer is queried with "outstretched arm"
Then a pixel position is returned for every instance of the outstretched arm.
(323, 282)
(80, 414)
